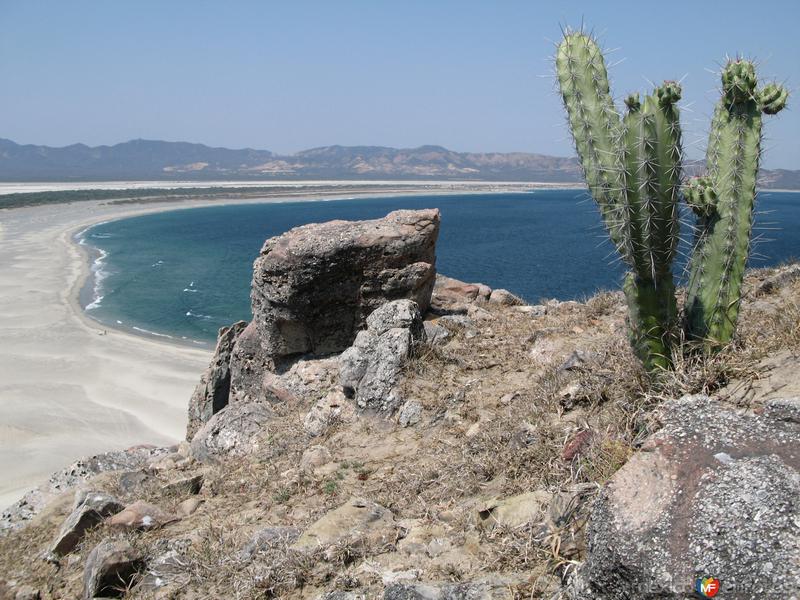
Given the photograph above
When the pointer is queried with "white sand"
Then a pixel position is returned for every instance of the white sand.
(67, 391)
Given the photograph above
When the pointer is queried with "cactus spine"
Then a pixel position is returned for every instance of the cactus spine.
(724, 201)
(632, 165)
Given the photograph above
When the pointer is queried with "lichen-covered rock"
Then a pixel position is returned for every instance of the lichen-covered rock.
(110, 568)
(237, 430)
(370, 369)
(92, 509)
(314, 286)
(211, 394)
(713, 494)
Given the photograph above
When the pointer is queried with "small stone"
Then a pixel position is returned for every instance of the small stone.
(576, 445)
(110, 568)
(188, 507)
(505, 298)
(435, 333)
(185, 485)
(314, 457)
(27, 592)
(410, 413)
(515, 511)
(140, 515)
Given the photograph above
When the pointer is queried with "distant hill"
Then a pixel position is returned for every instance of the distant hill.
(158, 160)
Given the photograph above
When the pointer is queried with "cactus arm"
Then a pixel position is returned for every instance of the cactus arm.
(594, 122)
(723, 241)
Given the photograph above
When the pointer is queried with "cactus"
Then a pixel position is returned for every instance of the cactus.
(632, 165)
(724, 202)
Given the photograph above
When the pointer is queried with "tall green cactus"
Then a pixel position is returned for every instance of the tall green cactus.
(724, 201)
(632, 165)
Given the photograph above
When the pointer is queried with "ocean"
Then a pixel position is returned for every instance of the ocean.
(183, 274)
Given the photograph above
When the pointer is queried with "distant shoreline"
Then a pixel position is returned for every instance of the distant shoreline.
(15, 195)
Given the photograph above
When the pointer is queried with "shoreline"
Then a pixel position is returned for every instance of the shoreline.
(146, 208)
(70, 386)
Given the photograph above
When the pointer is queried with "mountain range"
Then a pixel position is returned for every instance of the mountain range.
(159, 160)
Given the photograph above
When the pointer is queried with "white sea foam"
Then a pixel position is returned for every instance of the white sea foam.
(148, 332)
(190, 290)
(198, 316)
(158, 263)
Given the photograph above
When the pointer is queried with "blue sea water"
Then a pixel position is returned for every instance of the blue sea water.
(185, 273)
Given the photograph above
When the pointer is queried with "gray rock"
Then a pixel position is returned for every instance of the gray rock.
(185, 485)
(110, 568)
(237, 430)
(435, 333)
(410, 413)
(268, 537)
(19, 514)
(676, 512)
(494, 588)
(370, 369)
(90, 512)
(505, 298)
(211, 394)
(783, 409)
(783, 277)
(314, 286)
(536, 310)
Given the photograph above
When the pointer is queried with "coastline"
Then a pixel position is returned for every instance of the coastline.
(71, 386)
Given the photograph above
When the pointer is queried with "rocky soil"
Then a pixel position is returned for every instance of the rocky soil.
(367, 436)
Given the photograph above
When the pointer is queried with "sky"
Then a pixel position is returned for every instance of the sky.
(291, 75)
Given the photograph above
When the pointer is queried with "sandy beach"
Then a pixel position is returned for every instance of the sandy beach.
(69, 387)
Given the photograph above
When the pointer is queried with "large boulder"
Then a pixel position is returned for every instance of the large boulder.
(211, 394)
(370, 369)
(314, 286)
(713, 494)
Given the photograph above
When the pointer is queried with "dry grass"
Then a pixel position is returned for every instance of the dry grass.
(500, 417)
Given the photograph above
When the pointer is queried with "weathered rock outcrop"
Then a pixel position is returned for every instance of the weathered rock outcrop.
(369, 370)
(313, 289)
(713, 494)
(211, 394)
(314, 286)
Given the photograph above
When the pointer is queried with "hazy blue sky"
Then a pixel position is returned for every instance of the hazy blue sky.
(284, 76)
